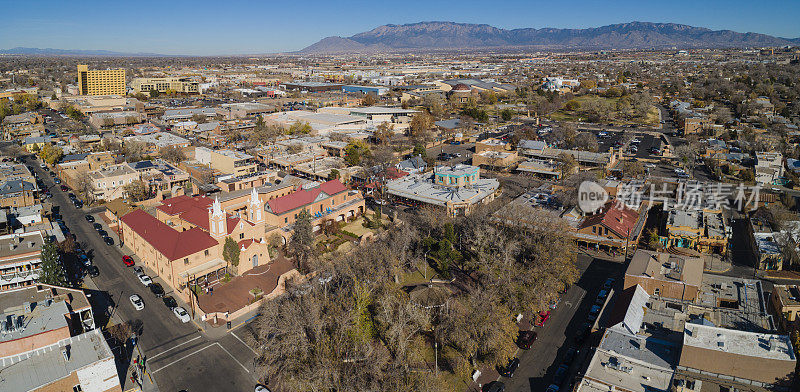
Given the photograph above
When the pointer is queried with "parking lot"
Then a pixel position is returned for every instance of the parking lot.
(560, 333)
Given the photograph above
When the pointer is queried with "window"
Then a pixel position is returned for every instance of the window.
(206, 252)
(657, 292)
(77, 388)
(690, 384)
(186, 261)
(285, 220)
(241, 236)
(594, 229)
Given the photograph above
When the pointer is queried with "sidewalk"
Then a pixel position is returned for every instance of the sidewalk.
(135, 380)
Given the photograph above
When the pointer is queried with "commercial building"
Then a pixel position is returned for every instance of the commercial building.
(330, 200)
(17, 193)
(101, 82)
(173, 115)
(312, 87)
(665, 275)
(614, 228)
(458, 189)
(721, 359)
(702, 230)
(109, 182)
(231, 162)
(18, 126)
(374, 90)
(785, 304)
(162, 85)
(20, 261)
(49, 342)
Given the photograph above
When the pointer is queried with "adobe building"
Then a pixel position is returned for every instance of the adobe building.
(665, 275)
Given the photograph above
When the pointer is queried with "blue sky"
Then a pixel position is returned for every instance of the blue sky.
(204, 27)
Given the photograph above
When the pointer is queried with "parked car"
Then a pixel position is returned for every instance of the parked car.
(137, 302)
(561, 375)
(510, 368)
(181, 314)
(90, 218)
(93, 271)
(145, 280)
(84, 260)
(97, 226)
(57, 181)
(102, 233)
(108, 240)
(569, 356)
(64, 188)
(157, 290)
(593, 313)
(601, 297)
(77, 203)
(495, 386)
(552, 388)
(583, 332)
(525, 339)
(169, 302)
(138, 270)
(128, 261)
(261, 388)
(544, 315)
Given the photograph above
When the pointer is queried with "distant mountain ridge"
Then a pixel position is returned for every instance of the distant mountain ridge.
(451, 35)
(72, 52)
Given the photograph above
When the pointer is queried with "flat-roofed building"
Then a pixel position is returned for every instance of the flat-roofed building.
(109, 182)
(162, 85)
(79, 363)
(726, 358)
(101, 81)
(20, 261)
(459, 189)
(232, 162)
(785, 303)
(665, 274)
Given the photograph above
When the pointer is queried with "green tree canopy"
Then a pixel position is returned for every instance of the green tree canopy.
(52, 271)
(231, 252)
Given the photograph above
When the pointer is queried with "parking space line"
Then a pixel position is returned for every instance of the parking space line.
(174, 347)
(181, 358)
(234, 358)
(245, 344)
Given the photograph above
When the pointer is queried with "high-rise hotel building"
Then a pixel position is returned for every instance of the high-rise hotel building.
(101, 82)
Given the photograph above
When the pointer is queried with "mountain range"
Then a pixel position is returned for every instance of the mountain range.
(451, 35)
(72, 52)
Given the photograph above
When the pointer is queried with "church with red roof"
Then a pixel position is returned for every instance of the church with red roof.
(184, 239)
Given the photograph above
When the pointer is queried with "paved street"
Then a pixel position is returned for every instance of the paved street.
(179, 356)
(538, 364)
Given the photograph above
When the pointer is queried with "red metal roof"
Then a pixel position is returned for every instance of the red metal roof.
(169, 242)
(191, 209)
(304, 197)
(619, 219)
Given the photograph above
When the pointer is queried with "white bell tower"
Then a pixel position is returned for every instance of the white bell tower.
(217, 220)
(256, 213)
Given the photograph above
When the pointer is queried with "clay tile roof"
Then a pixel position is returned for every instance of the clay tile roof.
(304, 197)
(461, 87)
(619, 219)
(171, 243)
(245, 243)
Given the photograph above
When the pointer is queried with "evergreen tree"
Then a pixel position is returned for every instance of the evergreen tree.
(231, 252)
(52, 270)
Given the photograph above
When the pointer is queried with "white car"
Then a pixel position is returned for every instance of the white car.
(181, 314)
(261, 388)
(145, 280)
(137, 302)
(650, 165)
